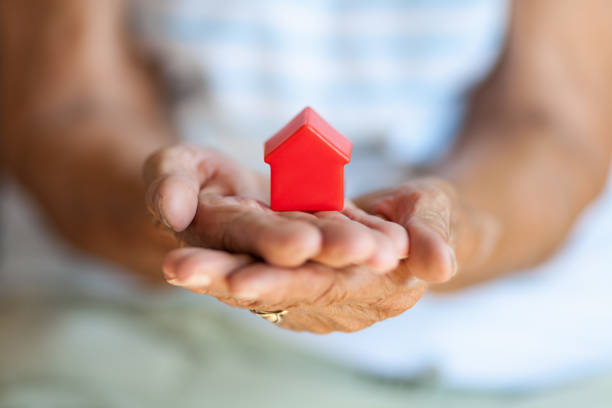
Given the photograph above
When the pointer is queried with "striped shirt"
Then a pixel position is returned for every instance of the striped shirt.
(392, 73)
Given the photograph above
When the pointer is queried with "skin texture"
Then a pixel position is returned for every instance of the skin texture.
(212, 202)
(333, 270)
(532, 154)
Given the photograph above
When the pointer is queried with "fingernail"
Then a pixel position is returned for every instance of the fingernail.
(162, 218)
(170, 277)
(194, 280)
(453, 258)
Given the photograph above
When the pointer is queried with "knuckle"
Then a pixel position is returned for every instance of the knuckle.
(178, 154)
(442, 202)
(169, 158)
(437, 220)
(432, 199)
(427, 197)
(436, 213)
(155, 164)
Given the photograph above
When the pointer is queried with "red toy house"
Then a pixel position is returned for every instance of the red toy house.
(307, 159)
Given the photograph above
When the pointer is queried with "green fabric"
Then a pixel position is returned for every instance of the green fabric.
(83, 352)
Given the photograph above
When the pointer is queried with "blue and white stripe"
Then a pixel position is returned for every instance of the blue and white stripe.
(392, 69)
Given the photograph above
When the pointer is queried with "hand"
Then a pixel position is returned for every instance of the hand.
(211, 201)
(322, 299)
(428, 210)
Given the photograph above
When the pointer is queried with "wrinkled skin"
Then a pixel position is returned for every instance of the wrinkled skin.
(333, 271)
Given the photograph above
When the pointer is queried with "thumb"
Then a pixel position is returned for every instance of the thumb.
(423, 208)
(173, 177)
(173, 200)
(431, 256)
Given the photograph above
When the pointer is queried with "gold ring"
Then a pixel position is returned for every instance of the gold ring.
(275, 317)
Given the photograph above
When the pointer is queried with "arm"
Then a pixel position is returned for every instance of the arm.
(536, 146)
(80, 112)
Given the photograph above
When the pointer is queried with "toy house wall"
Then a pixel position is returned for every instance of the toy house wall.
(308, 188)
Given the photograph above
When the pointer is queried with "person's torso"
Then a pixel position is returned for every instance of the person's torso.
(391, 73)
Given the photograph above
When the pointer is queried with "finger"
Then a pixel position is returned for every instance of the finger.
(173, 176)
(173, 200)
(280, 288)
(430, 257)
(385, 258)
(242, 225)
(345, 242)
(310, 284)
(391, 238)
(395, 232)
(202, 270)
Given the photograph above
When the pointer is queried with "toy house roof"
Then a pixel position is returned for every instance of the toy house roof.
(308, 117)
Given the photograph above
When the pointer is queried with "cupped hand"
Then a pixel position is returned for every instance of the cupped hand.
(320, 298)
(211, 201)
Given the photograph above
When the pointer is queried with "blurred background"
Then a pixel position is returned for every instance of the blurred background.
(76, 331)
